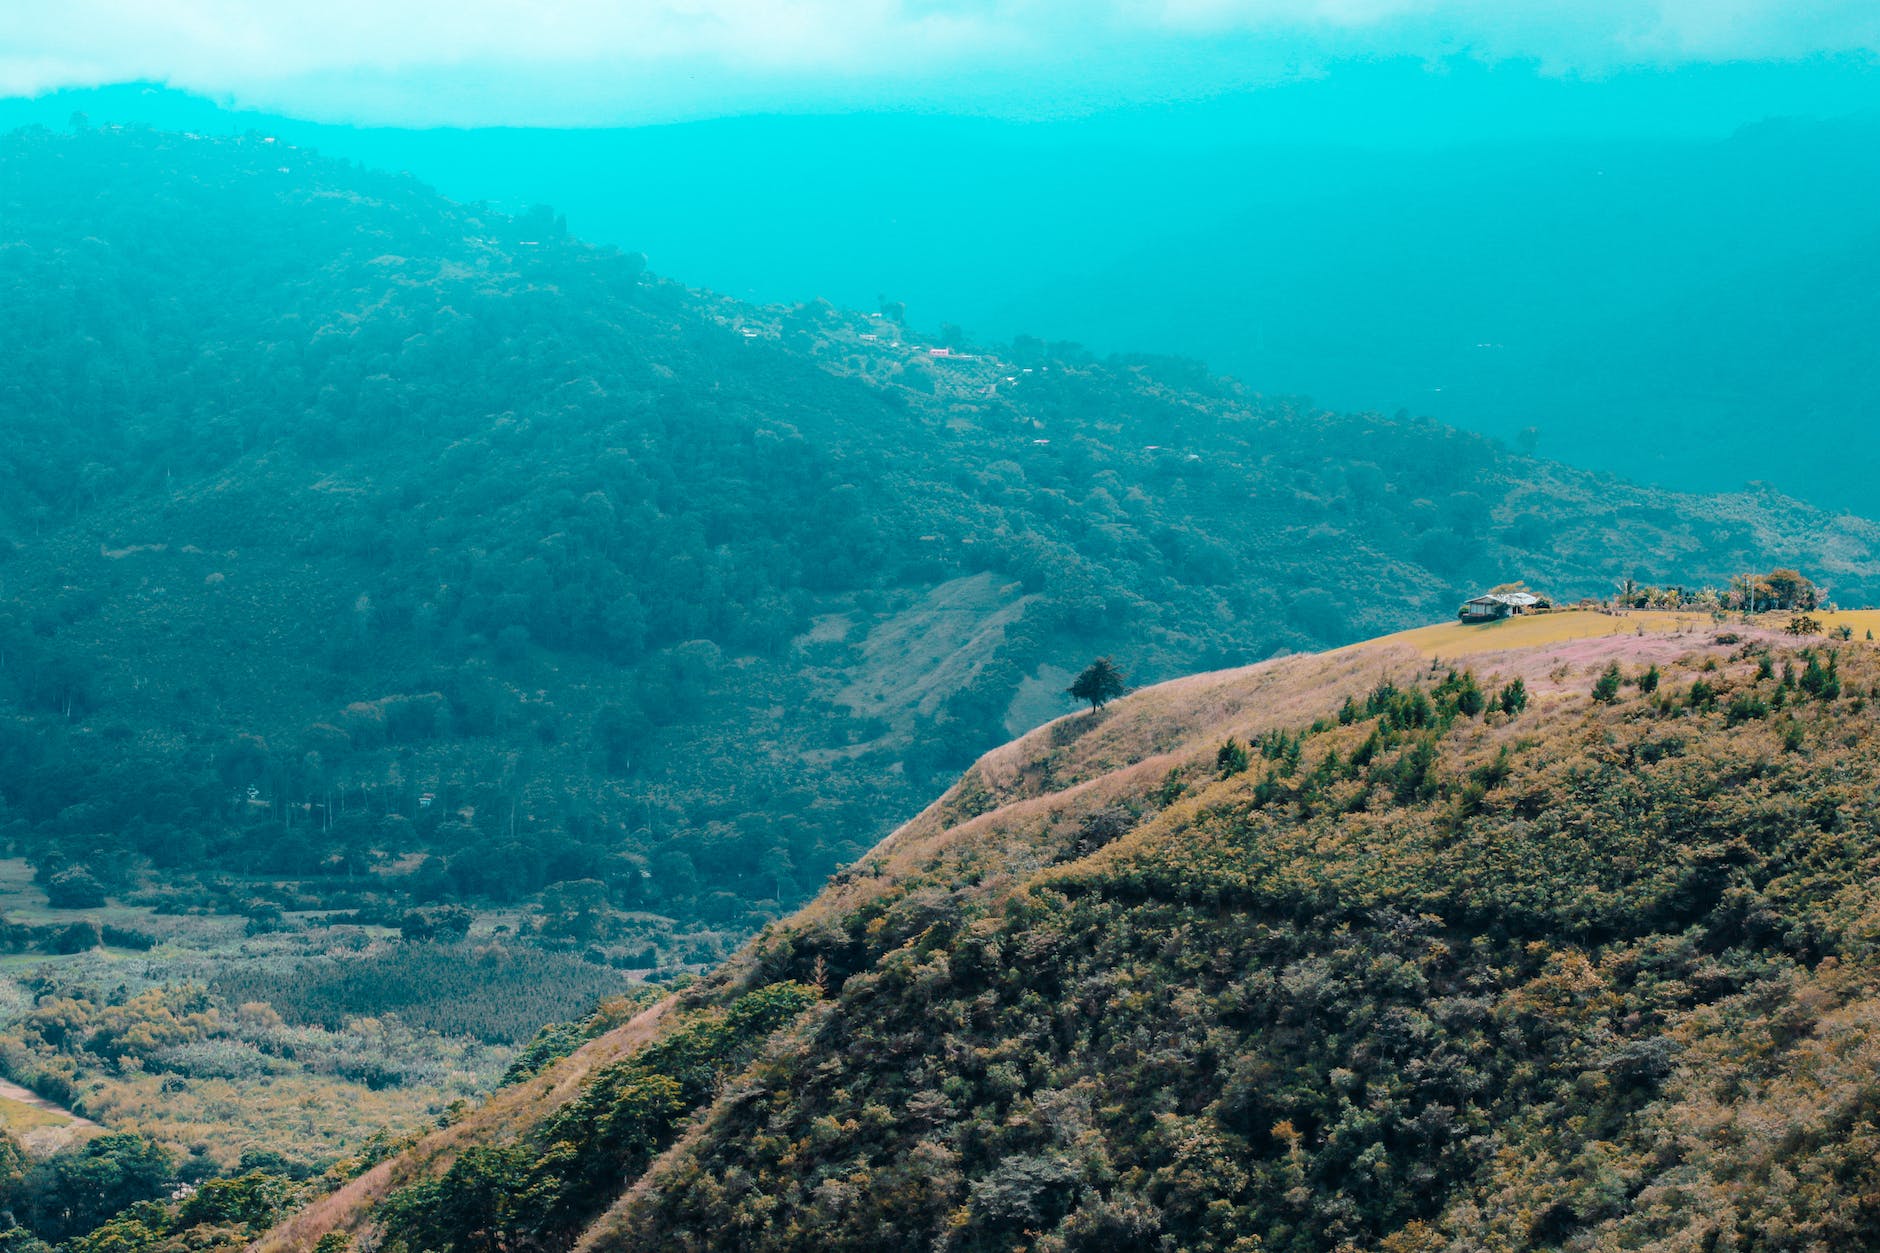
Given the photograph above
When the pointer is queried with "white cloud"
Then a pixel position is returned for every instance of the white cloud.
(438, 60)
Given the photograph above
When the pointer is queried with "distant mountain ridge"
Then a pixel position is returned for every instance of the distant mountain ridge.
(1651, 302)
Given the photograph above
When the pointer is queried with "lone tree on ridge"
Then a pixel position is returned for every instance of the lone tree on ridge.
(1100, 682)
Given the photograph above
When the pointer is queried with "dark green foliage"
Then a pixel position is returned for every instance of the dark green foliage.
(80, 937)
(1513, 698)
(482, 1199)
(478, 1206)
(557, 1040)
(1368, 749)
(1105, 826)
(1232, 758)
(449, 924)
(490, 992)
(1745, 707)
(1326, 1030)
(1459, 693)
(1496, 772)
(1606, 687)
(1099, 683)
(77, 1189)
(542, 1191)
(552, 1043)
(74, 888)
(1821, 681)
(1648, 682)
(255, 1200)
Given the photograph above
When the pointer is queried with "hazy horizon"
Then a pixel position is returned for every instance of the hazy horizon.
(1457, 237)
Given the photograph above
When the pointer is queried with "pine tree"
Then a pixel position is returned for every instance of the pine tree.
(1606, 688)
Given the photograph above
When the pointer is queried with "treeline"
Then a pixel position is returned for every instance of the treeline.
(1778, 590)
(492, 992)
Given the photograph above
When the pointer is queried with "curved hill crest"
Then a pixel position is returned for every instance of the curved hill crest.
(1110, 990)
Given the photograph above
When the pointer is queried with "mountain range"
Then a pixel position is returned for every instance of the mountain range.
(1643, 292)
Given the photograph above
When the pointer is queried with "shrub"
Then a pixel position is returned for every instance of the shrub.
(1606, 687)
(74, 888)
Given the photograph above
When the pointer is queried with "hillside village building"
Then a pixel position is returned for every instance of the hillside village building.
(1493, 606)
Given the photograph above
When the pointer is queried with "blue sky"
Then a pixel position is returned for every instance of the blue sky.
(594, 62)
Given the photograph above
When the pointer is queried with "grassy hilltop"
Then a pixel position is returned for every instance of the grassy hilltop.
(418, 625)
(1503, 953)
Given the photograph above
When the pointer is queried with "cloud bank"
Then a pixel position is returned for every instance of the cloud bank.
(471, 61)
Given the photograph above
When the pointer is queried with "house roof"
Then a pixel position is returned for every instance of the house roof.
(1513, 599)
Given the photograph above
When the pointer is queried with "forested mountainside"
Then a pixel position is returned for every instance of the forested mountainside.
(360, 549)
(1535, 945)
(1657, 306)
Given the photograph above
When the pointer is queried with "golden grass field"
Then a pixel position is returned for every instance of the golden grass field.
(20, 1118)
(40, 1126)
(1459, 639)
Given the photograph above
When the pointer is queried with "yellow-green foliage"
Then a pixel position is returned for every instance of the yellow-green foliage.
(169, 1063)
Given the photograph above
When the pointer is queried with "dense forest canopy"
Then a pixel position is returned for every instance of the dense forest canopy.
(418, 552)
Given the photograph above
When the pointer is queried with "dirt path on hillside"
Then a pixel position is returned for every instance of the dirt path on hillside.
(45, 1137)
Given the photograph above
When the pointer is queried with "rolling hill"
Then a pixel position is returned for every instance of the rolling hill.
(1440, 941)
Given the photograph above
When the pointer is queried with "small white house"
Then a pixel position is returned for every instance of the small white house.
(1493, 606)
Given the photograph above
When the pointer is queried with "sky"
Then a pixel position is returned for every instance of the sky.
(600, 63)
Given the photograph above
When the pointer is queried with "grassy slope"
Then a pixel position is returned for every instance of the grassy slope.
(1009, 834)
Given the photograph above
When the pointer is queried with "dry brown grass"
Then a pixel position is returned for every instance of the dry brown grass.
(1529, 631)
(1003, 807)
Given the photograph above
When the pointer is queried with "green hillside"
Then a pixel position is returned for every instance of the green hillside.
(417, 625)
(325, 487)
(1510, 956)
